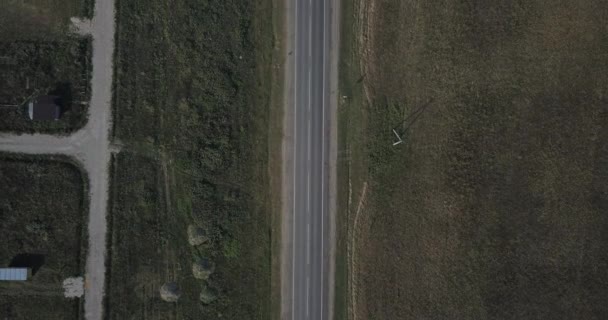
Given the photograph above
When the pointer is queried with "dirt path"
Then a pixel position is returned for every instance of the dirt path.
(91, 146)
(352, 255)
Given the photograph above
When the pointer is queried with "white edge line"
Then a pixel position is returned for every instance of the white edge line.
(308, 244)
(307, 295)
(295, 115)
(309, 164)
(323, 156)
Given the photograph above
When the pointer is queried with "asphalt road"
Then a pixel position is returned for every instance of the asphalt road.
(90, 146)
(306, 289)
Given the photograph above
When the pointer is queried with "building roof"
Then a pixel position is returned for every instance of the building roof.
(44, 108)
(13, 274)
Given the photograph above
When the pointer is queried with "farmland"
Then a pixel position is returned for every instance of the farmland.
(43, 210)
(192, 103)
(39, 55)
(493, 207)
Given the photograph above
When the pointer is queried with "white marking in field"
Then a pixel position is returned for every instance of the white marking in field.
(80, 26)
(398, 138)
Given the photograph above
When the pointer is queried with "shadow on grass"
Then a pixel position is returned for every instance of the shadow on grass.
(28, 260)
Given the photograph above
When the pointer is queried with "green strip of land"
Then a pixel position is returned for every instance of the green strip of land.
(192, 111)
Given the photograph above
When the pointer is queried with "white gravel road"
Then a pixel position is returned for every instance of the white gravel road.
(91, 146)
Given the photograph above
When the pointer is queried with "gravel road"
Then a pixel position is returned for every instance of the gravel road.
(91, 146)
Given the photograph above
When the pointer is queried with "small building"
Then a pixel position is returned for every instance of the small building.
(14, 274)
(44, 108)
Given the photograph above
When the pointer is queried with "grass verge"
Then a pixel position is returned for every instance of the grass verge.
(275, 137)
(352, 173)
(193, 111)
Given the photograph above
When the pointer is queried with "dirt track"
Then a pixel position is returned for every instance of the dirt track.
(91, 146)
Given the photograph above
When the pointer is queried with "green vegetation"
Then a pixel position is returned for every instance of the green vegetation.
(40, 19)
(494, 206)
(42, 210)
(142, 252)
(31, 68)
(192, 111)
(39, 56)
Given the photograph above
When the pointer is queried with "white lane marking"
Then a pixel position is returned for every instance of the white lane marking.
(310, 30)
(308, 146)
(309, 142)
(308, 244)
(295, 142)
(307, 295)
(323, 157)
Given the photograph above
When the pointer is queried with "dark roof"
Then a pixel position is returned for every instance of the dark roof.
(45, 108)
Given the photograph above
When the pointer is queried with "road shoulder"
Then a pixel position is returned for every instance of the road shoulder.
(288, 160)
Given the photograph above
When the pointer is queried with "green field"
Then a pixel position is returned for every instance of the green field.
(143, 253)
(192, 104)
(39, 56)
(43, 210)
(494, 207)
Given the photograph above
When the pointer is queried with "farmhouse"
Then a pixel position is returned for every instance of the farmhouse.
(44, 108)
(14, 274)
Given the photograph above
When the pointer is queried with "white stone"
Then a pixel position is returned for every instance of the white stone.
(73, 287)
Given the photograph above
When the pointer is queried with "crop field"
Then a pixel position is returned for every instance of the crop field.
(43, 210)
(40, 56)
(495, 204)
(192, 104)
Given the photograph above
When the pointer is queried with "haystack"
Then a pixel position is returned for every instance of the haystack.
(203, 268)
(208, 295)
(197, 235)
(170, 292)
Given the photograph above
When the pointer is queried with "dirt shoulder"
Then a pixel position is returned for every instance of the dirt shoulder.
(287, 167)
(334, 99)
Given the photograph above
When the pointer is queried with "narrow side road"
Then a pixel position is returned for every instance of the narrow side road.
(91, 146)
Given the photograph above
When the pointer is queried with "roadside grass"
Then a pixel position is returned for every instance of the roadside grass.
(272, 71)
(493, 206)
(43, 205)
(39, 56)
(352, 150)
(192, 107)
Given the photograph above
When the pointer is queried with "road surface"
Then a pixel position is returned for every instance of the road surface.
(90, 146)
(307, 280)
